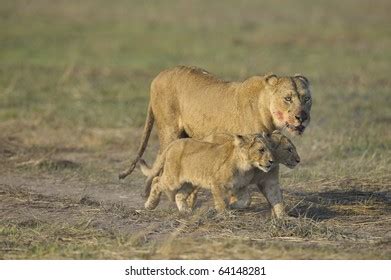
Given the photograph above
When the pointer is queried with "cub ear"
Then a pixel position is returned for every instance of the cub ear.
(276, 132)
(271, 79)
(277, 137)
(266, 135)
(303, 79)
(239, 140)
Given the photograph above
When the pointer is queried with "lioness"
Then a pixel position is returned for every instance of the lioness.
(190, 102)
(284, 152)
(187, 162)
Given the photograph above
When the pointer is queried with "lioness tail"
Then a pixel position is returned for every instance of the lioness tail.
(144, 141)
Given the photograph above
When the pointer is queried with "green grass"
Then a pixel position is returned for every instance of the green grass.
(75, 77)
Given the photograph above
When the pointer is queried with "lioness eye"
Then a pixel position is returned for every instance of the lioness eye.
(262, 150)
(288, 98)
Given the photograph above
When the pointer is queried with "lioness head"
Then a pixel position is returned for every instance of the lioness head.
(290, 102)
(284, 150)
(255, 150)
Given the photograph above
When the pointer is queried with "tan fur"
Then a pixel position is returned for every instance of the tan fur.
(218, 167)
(188, 101)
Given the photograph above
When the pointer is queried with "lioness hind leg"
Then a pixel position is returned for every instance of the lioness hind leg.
(218, 197)
(154, 196)
(167, 133)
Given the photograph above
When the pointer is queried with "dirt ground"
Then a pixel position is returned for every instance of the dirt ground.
(64, 202)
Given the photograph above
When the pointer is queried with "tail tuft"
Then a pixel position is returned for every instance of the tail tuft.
(125, 173)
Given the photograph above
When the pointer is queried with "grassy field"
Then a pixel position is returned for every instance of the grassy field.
(74, 80)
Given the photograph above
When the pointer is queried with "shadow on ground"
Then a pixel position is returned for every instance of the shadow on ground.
(331, 204)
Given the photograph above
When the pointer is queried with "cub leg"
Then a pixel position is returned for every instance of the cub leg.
(182, 196)
(191, 200)
(218, 197)
(270, 187)
(154, 196)
(273, 195)
(240, 198)
(147, 187)
(166, 136)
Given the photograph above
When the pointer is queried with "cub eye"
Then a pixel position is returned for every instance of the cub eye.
(262, 150)
(307, 98)
(288, 98)
(290, 150)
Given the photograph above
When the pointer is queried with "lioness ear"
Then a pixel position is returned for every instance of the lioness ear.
(271, 79)
(303, 79)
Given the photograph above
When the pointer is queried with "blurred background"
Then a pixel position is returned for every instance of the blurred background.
(74, 88)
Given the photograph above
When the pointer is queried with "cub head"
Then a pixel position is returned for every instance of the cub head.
(284, 150)
(290, 102)
(255, 151)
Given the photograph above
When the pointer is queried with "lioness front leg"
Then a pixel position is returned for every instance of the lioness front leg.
(154, 196)
(218, 197)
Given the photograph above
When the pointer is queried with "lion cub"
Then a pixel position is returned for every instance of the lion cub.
(216, 166)
(284, 152)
